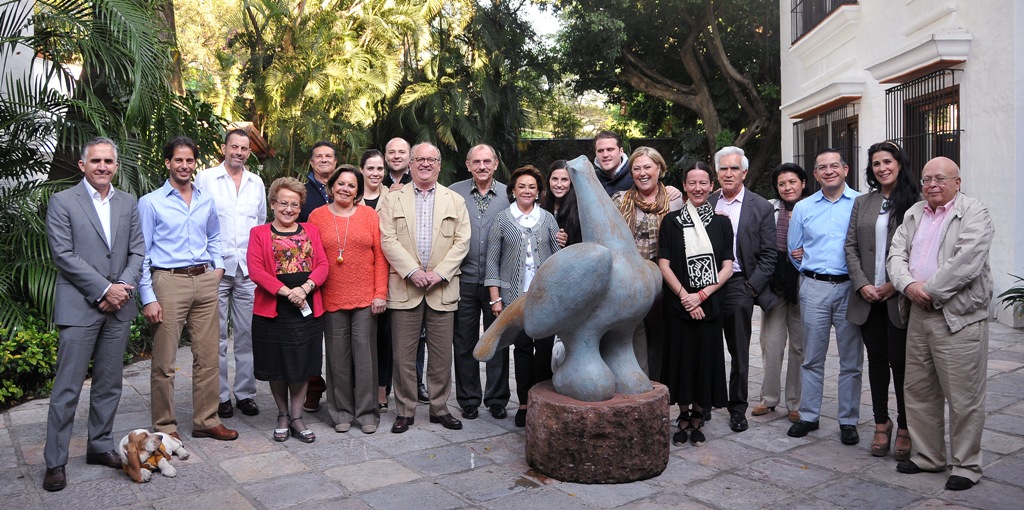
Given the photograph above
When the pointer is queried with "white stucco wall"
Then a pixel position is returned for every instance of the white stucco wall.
(991, 92)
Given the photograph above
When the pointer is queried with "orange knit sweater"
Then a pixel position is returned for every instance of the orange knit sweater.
(363, 276)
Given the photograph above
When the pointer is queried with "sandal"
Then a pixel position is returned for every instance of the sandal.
(306, 436)
(382, 407)
(696, 436)
(880, 443)
(902, 452)
(281, 435)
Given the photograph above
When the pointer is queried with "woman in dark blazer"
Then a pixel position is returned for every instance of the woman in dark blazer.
(872, 303)
(521, 239)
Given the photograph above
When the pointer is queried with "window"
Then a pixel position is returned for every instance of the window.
(923, 116)
(836, 129)
(806, 14)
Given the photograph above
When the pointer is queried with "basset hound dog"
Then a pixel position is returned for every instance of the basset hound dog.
(143, 452)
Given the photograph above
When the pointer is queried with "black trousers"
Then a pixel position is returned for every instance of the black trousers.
(887, 350)
(737, 310)
(473, 299)
(533, 363)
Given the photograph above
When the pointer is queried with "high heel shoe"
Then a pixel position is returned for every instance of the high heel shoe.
(306, 436)
(881, 448)
(902, 452)
(281, 435)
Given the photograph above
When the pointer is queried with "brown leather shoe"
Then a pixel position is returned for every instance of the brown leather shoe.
(220, 433)
(175, 435)
(55, 479)
(794, 416)
(402, 424)
(109, 459)
(761, 410)
(312, 402)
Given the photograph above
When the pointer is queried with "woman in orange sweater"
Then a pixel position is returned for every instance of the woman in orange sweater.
(355, 291)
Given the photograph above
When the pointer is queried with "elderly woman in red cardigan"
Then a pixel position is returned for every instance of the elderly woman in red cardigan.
(288, 264)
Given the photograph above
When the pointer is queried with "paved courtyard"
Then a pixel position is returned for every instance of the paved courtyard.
(483, 465)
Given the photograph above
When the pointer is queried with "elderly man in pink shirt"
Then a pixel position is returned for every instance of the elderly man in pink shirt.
(939, 261)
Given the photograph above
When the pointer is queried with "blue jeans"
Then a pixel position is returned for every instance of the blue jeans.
(823, 306)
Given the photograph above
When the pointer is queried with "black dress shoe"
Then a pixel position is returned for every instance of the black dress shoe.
(402, 424)
(447, 421)
(908, 467)
(958, 483)
(55, 479)
(224, 410)
(801, 428)
(738, 422)
(498, 412)
(423, 395)
(248, 407)
(520, 418)
(470, 412)
(848, 434)
(109, 459)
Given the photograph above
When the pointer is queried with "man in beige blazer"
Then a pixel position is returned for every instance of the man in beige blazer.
(425, 234)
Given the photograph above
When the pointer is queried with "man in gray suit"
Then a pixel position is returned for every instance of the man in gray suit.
(753, 226)
(485, 198)
(97, 245)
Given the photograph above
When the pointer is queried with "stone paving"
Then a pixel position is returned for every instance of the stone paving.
(483, 465)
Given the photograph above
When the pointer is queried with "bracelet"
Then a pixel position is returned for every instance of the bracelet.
(680, 293)
(496, 301)
(703, 295)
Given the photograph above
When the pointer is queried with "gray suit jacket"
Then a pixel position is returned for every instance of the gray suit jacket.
(860, 258)
(85, 264)
(755, 245)
(475, 264)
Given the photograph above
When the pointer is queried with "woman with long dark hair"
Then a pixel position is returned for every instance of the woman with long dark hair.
(872, 305)
(560, 201)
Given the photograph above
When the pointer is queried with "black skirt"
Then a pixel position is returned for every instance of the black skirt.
(288, 347)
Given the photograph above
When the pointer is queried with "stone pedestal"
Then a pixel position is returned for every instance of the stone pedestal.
(624, 439)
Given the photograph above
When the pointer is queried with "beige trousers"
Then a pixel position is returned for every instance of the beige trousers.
(190, 300)
(405, 337)
(778, 325)
(946, 368)
(350, 337)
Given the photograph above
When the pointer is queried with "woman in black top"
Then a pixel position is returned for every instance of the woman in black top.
(560, 201)
(695, 257)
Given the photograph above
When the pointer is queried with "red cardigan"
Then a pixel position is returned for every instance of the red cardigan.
(263, 269)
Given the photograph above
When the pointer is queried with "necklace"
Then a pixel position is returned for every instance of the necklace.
(337, 232)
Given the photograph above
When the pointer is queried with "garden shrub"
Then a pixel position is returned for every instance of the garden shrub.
(28, 359)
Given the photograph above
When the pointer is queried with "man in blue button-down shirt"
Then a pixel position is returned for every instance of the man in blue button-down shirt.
(180, 275)
(817, 232)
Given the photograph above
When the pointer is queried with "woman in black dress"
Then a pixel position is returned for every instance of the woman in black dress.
(695, 257)
(288, 264)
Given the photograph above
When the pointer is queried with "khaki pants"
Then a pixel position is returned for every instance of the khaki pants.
(944, 367)
(351, 340)
(405, 337)
(777, 325)
(188, 300)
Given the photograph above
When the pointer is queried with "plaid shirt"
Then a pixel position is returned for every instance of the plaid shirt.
(424, 223)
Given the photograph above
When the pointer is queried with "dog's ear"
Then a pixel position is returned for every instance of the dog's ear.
(163, 451)
(134, 463)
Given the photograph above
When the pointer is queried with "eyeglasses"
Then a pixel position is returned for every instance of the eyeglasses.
(939, 180)
(431, 161)
(835, 167)
(285, 205)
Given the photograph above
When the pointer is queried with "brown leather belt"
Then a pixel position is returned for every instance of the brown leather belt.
(195, 270)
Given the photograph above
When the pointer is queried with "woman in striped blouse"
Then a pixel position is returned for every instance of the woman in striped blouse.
(522, 238)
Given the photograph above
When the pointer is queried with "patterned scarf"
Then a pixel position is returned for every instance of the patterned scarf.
(631, 201)
(701, 267)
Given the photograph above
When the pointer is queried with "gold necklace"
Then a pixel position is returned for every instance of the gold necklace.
(341, 243)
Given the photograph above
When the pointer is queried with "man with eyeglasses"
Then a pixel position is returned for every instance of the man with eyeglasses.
(938, 260)
(425, 234)
(485, 198)
(241, 202)
(396, 159)
(753, 243)
(817, 231)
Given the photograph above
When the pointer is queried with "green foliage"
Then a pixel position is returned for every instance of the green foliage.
(28, 359)
(564, 122)
(1014, 297)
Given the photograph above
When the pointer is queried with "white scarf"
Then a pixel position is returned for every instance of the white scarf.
(701, 267)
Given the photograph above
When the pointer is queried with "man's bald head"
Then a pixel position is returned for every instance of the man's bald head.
(940, 181)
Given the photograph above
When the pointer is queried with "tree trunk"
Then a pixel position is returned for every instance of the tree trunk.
(168, 35)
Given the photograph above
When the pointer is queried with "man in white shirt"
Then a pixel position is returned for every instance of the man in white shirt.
(240, 198)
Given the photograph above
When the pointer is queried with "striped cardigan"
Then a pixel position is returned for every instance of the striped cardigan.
(506, 251)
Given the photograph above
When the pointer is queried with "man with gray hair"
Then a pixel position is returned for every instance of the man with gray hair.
(939, 262)
(753, 243)
(96, 241)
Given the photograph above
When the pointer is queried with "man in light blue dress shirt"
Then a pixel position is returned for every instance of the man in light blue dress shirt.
(817, 231)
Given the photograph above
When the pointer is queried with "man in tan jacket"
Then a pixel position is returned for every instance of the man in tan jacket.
(939, 262)
(425, 234)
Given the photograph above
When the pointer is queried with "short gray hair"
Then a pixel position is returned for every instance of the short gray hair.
(99, 140)
(731, 151)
